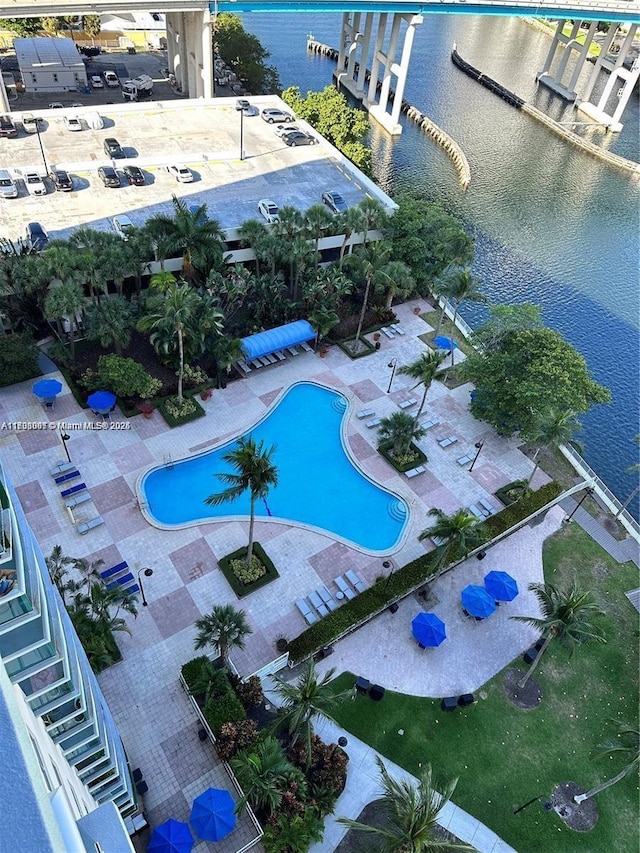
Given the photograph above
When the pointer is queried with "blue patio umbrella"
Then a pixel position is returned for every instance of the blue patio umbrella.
(443, 342)
(428, 629)
(47, 388)
(212, 814)
(173, 836)
(477, 601)
(501, 586)
(101, 400)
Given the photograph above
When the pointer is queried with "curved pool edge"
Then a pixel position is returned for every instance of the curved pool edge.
(334, 537)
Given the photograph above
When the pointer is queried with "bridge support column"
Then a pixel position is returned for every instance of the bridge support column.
(570, 43)
(628, 77)
(190, 52)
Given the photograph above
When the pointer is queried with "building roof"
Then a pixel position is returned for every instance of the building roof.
(35, 52)
(274, 339)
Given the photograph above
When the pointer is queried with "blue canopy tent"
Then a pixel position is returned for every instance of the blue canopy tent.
(267, 342)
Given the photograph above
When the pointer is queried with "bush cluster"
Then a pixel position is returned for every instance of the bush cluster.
(226, 708)
(235, 736)
(248, 574)
(18, 359)
(238, 586)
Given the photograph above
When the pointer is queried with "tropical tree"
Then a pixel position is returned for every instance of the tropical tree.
(225, 628)
(264, 773)
(351, 221)
(91, 25)
(394, 279)
(411, 814)
(255, 473)
(111, 322)
(461, 286)
(398, 431)
(626, 750)
(424, 370)
(304, 701)
(375, 215)
(65, 302)
(457, 533)
(566, 615)
(366, 261)
(253, 233)
(89, 570)
(62, 261)
(225, 352)
(58, 565)
(90, 245)
(317, 220)
(323, 320)
(50, 26)
(554, 428)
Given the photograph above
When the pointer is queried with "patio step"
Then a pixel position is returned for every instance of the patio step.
(339, 404)
(397, 509)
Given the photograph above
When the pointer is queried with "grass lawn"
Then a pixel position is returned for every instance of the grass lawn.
(504, 756)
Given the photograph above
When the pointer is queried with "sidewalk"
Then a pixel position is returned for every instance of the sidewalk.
(627, 549)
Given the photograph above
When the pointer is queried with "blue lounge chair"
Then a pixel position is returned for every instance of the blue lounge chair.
(70, 475)
(79, 487)
(123, 581)
(114, 570)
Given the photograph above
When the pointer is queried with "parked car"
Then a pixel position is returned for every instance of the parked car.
(31, 123)
(123, 225)
(269, 210)
(8, 127)
(181, 173)
(243, 104)
(201, 217)
(273, 115)
(95, 81)
(62, 180)
(281, 129)
(56, 105)
(134, 175)
(72, 123)
(109, 176)
(34, 183)
(93, 120)
(334, 201)
(112, 148)
(111, 79)
(298, 138)
(37, 237)
(8, 188)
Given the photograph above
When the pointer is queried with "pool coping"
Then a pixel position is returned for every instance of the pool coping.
(398, 545)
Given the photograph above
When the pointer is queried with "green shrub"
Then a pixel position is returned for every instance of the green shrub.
(232, 737)
(223, 709)
(193, 376)
(250, 693)
(403, 463)
(248, 574)
(176, 413)
(227, 568)
(347, 347)
(18, 359)
(126, 378)
(192, 670)
(512, 492)
(527, 505)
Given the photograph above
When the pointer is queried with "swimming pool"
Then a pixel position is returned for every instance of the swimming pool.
(319, 484)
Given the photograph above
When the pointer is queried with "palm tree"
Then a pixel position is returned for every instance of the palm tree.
(58, 564)
(553, 428)
(627, 749)
(459, 532)
(461, 286)
(90, 245)
(263, 772)
(411, 814)
(225, 352)
(424, 371)
(352, 221)
(253, 232)
(65, 302)
(395, 279)
(90, 571)
(224, 628)
(367, 261)
(323, 320)
(110, 322)
(375, 215)
(255, 472)
(398, 431)
(304, 701)
(317, 220)
(170, 313)
(565, 617)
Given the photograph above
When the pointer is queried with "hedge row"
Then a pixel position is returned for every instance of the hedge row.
(512, 514)
(237, 586)
(223, 709)
(192, 670)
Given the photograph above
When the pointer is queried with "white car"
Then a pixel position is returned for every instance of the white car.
(72, 123)
(181, 173)
(123, 226)
(35, 184)
(111, 79)
(96, 81)
(283, 129)
(269, 210)
(273, 115)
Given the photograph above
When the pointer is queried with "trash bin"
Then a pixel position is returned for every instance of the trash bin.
(131, 51)
(449, 703)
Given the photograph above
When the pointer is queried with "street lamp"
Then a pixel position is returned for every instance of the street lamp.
(478, 445)
(392, 364)
(388, 564)
(241, 135)
(588, 491)
(44, 159)
(147, 573)
(65, 438)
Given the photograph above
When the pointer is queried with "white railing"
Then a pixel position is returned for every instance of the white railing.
(270, 668)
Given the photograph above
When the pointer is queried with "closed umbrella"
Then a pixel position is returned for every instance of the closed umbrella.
(428, 629)
(477, 601)
(213, 814)
(101, 400)
(173, 836)
(501, 586)
(443, 342)
(47, 388)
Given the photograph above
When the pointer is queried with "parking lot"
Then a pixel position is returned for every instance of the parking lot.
(204, 135)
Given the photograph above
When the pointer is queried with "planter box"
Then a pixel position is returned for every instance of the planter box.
(236, 585)
(173, 422)
(421, 458)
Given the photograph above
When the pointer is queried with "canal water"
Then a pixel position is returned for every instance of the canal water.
(551, 225)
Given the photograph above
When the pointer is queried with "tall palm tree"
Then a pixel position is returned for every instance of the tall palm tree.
(462, 286)
(89, 570)
(253, 232)
(225, 351)
(553, 428)
(317, 221)
(352, 221)
(110, 322)
(255, 472)
(566, 615)
(366, 261)
(225, 628)
(374, 213)
(424, 370)
(58, 564)
(171, 312)
(263, 772)
(323, 320)
(305, 700)
(459, 532)
(410, 814)
(398, 431)
(90, 245)
(626, 749)
(395, 279)
(65, 302)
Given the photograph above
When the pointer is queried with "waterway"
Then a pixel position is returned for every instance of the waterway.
(551, 225)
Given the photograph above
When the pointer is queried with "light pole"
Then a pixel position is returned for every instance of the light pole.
(65, 438)
(147, 573)
(44, 159)
(588, 491)
(478, 445)
(241, 135)
(392, 364)
(388, 564)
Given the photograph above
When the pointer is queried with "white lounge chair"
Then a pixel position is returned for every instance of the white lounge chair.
(86, 526)
(356, 580)
(407, 404)
(415, 471)
(306, 612)
(398, 329)
(387, 332)
(464, 460)
(365, 413)
(61, 468)
(305, 346)
(485, 505)
(270, 358)
(280, 355)
(430, 423)
(293, 351)
(79, 499)
(473, 509)
(374, 422)
(344, 587)
(327, 598)
(257, 364)
(319, 605)
(244, 367)
(448, 441)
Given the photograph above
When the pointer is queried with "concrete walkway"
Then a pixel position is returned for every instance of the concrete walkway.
(627, 549)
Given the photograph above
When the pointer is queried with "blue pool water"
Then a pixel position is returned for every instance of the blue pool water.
(318, 484)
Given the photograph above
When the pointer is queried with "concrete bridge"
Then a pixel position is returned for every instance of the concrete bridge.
(378, 34)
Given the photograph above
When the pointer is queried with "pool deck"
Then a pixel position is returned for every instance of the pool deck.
(142, 690)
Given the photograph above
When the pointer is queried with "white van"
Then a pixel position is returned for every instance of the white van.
(94, 121)
(30, 122)
(8, 189)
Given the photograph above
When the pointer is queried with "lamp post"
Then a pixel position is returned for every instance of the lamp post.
(44, 159)
(392, 364)
(478, 445)
(241, 135)
(65, 438)
(147, 573)
(388, 564)
(588, 491)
